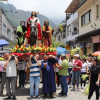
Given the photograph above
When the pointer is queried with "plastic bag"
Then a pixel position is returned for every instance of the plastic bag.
(86, 92)
(84, 77)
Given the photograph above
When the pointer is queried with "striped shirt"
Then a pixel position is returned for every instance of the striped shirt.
(35, 68)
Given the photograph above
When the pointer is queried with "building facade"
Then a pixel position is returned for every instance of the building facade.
(72, 29)
(89, 23)
(60, 32)
(6, 29)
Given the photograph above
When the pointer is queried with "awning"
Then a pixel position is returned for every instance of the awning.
(89, 34)
(3, 42)
(5, 51)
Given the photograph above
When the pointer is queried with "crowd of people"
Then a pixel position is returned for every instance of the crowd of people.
(56, 71)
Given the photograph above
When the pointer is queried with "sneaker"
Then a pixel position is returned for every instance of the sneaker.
(51, 95)
(31, 97)
(73, 89)
(60, 93)
(81, 87)
(37, 96)
(8, 98)
(70, 86)
(45, 96)
(78, 89)
(14, 97)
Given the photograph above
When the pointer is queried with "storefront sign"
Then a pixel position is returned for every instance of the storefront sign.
(96, 39)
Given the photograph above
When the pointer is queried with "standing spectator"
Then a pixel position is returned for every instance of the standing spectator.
(84, 71)
(10, 66)
(76, 72)
(89, 62)
(3, 74)
(57, 70)
(63, 72)
(94, 79)
(21, 71)
(70, 69)
(26, 58)
(34, 75)
(49, 86)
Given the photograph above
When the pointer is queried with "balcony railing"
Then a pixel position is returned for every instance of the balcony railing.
(75, 32)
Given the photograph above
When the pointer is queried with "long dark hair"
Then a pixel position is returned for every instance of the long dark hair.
(96, 60)
(33, 14)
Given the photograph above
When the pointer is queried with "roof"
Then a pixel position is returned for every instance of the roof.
(74, 5)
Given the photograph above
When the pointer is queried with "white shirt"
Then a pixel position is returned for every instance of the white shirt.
(89, 64)
(21, 65)
(11, 69)
(84, 67)
(59, 61)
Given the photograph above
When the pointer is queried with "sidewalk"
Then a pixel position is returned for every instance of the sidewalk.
(23, 94)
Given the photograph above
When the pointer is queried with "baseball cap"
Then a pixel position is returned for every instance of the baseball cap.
(76, 55)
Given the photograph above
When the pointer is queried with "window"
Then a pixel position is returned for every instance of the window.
(58, 38)
(4, 27)
(8, 32)
(75, 31)
(97, 11)
(64, 33)
(86, 18)
(69, 30)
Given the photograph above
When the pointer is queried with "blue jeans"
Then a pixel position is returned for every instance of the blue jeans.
(76, 77)
(64, 85)
(34, 81)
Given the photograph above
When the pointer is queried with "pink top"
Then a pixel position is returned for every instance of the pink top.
(0, 66)
(78, 64)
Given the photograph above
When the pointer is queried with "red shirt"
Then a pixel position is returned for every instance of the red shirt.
(78, 63)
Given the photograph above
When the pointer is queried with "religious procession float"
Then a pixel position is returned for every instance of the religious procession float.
(31, 40)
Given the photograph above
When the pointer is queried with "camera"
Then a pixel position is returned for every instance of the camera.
(12, 57)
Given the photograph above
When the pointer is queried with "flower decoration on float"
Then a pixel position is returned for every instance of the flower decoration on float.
(38, 48)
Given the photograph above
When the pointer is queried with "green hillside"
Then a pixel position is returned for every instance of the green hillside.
(19, 15)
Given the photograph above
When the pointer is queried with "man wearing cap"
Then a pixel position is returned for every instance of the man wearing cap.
(76, 71)
(64, 73)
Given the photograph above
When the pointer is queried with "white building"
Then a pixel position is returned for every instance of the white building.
(61, 34)
(89, 23)
(6, 29)
(72, 29)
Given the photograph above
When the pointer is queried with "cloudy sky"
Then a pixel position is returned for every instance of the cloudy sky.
(50, 8)
(53, 9)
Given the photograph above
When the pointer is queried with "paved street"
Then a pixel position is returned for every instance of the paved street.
(23, 94)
